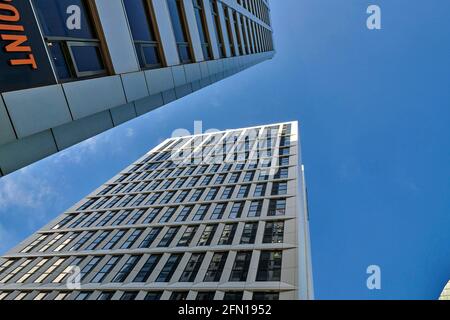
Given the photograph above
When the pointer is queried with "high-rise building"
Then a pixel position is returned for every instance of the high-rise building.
(71, 69)
(445, 293)
(218, 216)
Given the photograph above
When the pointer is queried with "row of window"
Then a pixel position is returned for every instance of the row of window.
(128, 238)
(151, 295)
(139, 268)
(72, 33)
(262, 135)
(172, 183)
(147, 181)
(257, 8)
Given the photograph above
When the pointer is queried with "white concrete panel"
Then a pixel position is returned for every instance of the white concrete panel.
(38, 109)
(166, 32)
(118, 36)
(6, 129)
(135, 86)
(159, 80)
(88, 97)
(21, 153)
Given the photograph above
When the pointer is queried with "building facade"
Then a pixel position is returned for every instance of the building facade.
(445, 293)
(71, 69)
(216, 216)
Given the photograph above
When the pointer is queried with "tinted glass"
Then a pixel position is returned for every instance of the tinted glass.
(87, 58)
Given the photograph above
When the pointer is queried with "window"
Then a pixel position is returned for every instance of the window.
(167, 197)
(152, 215)
(220, 179)
(284, 161)
(187, 236)
(269, 268)
(227, 193)
(218, 211)
(75, 52)
(282, 173)
(233, 296)
(205, 296)
(90, 266)
(249, 176)
(105, 270)
(207, 235)
(150, 238)
(84, 295)
(255, 209)
(201, 213)
(136, 216)
(34, 244)
(132, 239)
(243, 192)
(226, 15)
(273, 232)
(153, 296)
(82, 241)
(266, 296)
(228, 234)
(121, 218)
(182, 196)
(238, 34)
(147, 268)
(196, 195)
(217, 29)
(167, 215)
(168, 237)
(130, 295)
(234, 178)
(76, 262)
(260, 190)
(179, 295)
(240, 268)
(206, 180)
(249, 233)
(179, 28)
(126, 269)
(105, 296)
(102, 236)
(212, 194)
(215, 269)
(169, 268)
(236, 210)
(277, 208)
(184, 214)
(30, 272)
(279, 188)
(193, 266)
(144, 33)
(201, 25)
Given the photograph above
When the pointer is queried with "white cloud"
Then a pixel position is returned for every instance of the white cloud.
(24, 189)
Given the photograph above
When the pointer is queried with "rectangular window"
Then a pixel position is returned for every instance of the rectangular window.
(215, 269)
(126, 269)
(205, 296)
(201, 25)
(179, 27)
(243, 192)
(94, 244)
(201, 213)
(233, 296)
(150, 238)
(75, 48)
(105, 270)
(129, 296)
(218, 211)
(266, 296)
(207, 235)
(227, 193)
(169, 268)
(147, 268)
(132, 239)
(193, 266)
(152, 215)
(168, 237)
(260, 190)
(187, 236)
(211, 195)
(249, 233)
(153, 296)
(217, 29)
(274, 232)
(255, 209)
(240, 268)
(228, 234)
(236, 210)
(269, 268)
(167, 216)
(184, 214)
(140, 19)
(277, 208)
(279, 188)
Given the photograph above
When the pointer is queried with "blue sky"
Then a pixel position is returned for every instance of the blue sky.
(374, 113)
